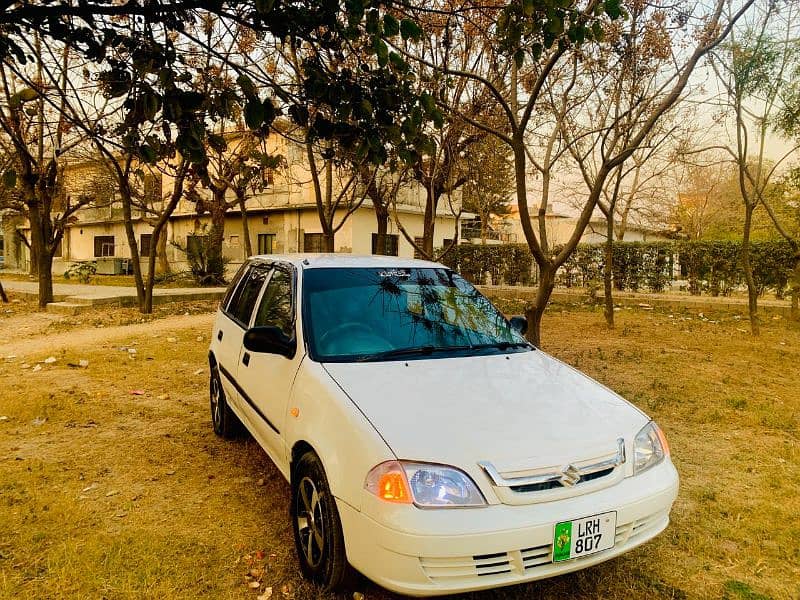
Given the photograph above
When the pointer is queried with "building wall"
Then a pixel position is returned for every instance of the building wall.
(288, 227)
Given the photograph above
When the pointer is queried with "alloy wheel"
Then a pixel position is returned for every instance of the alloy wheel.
(310, 523)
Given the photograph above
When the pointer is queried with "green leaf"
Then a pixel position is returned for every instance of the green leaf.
(150, 105)
(397, 61)
(416, 116)
(10, 178)
(527, 8)
(382, 51)
(23, 96)
(438, 118)
(372, 25)
(410, 30)
(269, 111)
(519, 58)
(390, 25)
(217, 142)
(27, 94)
(148, 154)
(254, 113)
(597, 31)
(264, 6)
(247, 87)
(613, 9)
(428, 102)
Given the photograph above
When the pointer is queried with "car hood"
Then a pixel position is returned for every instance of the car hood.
(519, 411)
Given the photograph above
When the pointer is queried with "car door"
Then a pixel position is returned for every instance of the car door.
(266, 379)
(231, 325)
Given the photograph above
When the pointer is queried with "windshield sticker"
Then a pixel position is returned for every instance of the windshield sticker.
(395, 273)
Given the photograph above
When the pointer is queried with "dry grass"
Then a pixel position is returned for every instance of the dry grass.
(108, 494)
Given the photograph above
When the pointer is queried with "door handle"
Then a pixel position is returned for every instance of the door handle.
(246, 359)
(219, 335)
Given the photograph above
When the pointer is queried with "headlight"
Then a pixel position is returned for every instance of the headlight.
(649, 448)
(426, 485)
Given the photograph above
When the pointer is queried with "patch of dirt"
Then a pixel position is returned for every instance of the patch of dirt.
(27, 331)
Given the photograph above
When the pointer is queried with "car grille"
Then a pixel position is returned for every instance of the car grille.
(554, 485)
(522, 563)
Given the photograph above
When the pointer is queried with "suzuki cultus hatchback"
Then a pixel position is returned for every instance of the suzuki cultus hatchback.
(427, 444)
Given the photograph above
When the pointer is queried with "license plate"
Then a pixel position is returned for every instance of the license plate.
(585, 536)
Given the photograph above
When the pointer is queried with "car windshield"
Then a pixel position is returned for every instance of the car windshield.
(366, 314)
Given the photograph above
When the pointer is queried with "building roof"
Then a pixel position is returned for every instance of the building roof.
(322, 261)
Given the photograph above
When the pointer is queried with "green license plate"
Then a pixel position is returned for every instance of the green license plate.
(581, 537)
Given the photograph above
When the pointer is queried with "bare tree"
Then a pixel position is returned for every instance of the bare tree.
(535, 42)
(34, 120)
(753, 68)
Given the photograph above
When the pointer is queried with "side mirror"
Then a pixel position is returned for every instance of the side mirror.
(519, 324)
(270, 340)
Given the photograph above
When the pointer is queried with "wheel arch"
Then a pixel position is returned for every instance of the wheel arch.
(300, 448)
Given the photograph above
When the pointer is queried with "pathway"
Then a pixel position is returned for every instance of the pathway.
(71, 298)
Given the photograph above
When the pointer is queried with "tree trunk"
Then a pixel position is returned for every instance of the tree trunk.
(608, 272)
(3, 293)
(147, 308)
(130, 234)
(41, 257)
(429, 224)
(163, 267)
(160, 235)
(382, 217)
(248, 246)
(752, 292)
(535, 311)
(216, 236)
(795, 290)
(33, 265)
(328, 241)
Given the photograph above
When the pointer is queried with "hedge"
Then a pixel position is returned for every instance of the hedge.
(511, 264)
(708, 266)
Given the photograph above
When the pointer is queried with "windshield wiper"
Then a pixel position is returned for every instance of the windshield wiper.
(424, 350)
(503, 345)
(396, 352)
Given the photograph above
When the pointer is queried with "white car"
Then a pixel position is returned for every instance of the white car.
(427, 444)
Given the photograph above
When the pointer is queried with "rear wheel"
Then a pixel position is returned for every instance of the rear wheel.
(317, 529)
(225, 422)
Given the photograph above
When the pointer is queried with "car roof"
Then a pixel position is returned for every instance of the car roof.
(322, 261)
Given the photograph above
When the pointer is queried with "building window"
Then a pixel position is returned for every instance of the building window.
(59, 250)
(145, 244)
(104, 245)
(266, 243)
(389, 244)
(314, 242)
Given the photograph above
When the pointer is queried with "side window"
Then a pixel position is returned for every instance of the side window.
(243, 301)
(276, 304)
(234, 289)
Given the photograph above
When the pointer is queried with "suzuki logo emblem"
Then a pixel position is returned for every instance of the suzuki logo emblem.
(570, 475)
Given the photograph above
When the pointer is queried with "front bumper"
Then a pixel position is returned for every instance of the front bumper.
(431, 552)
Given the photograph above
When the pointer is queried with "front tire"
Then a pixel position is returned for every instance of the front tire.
(317, 528)
(224, 421)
